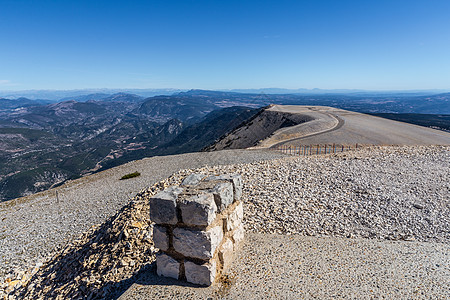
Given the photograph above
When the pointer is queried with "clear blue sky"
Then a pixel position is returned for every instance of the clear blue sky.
(360, 44)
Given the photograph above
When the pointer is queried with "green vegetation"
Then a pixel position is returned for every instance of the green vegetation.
(131, 175)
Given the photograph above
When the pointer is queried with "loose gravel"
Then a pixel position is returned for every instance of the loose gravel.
(31, 228)
(272, 266)
(381, 193)
(398, 193)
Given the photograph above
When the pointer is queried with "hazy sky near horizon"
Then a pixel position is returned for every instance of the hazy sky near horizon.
(377, 45)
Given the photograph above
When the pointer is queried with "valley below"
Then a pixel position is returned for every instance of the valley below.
(370, 200)
(44, 143)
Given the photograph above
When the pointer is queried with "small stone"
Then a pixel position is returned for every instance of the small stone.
(198, 210)
(200, 274)
(160, 238)
(167, 266)
(226, 253)
(163, 206)
(192, 179)
(123, 263)
(223, 195)
(235, 179)
(138, 225)
(235, 217)
(222, 191)
(238, 236)
(128, 245)
(197, 243)
(418, 206)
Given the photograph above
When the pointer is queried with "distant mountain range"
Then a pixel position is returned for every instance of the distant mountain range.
(45, 142)
(58, 95)
(339, 91)
(62, 95)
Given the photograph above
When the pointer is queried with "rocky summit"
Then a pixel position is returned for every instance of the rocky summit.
(379, 194)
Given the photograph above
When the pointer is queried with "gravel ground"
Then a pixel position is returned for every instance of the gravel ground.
(272, 266)
(398, 193)
(393, 193)
(373, 223)
(398, 197)
(32, 227)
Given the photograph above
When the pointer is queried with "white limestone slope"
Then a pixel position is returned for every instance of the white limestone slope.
(332, 125)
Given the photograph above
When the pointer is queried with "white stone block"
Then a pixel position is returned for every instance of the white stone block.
(200, 274)
(197, 243)
(235, 179)
(226, 253)
(167, 266)
(198, 210)
(235, 217)
(193, 179)
(223, 195)
(238, 236)
(163, 206)
(160, 237)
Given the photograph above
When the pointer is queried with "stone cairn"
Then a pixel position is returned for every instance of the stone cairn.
(198, 227)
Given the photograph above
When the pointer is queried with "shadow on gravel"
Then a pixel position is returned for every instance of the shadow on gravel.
(105, 261)
(97, 265)
(147, 276)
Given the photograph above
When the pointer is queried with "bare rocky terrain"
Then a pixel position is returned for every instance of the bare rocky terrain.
(369, 222)
(32, 227)
(260, 127)
(362, 129)
(329, 125)
(374, 221)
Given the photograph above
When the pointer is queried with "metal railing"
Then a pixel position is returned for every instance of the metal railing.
(305, 150)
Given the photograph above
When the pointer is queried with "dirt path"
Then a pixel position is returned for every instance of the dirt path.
(340, 123)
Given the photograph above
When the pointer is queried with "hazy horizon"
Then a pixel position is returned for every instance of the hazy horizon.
(49, 94)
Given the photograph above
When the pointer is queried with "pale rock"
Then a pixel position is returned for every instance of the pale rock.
(197, 243)
(160, 238)
(235, 179)
(163, 206)
(198, 210)
(167, 266)
(238, 236)
(222, 191)
(193, 179)
(235, 217)
(223, 195)
(226, 253)
(200, 274)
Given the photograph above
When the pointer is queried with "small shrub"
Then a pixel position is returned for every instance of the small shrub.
(131, 175)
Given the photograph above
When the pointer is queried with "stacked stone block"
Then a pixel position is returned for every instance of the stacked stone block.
(198, 227)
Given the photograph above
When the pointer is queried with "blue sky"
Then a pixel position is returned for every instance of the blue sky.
(376, 45)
